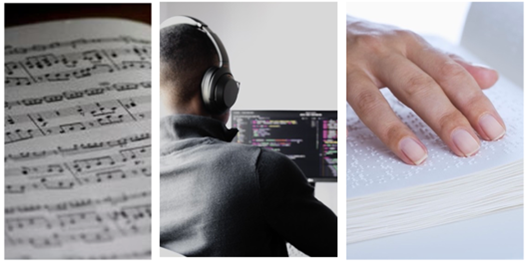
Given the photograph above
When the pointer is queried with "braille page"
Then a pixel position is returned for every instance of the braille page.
(373, 168)
(77, 140)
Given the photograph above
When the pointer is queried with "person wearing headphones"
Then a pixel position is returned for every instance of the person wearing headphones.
(220, 198)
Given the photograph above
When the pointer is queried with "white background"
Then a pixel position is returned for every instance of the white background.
(445, 19)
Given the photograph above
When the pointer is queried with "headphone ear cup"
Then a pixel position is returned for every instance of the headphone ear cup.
(207, 87)
(219, 90)
(228, 94)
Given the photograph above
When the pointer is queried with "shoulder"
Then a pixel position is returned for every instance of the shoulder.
(270, 158)
(236, 149)
(235, 154)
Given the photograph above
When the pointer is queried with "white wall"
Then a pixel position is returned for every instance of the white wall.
(443, 19)
(284, 54)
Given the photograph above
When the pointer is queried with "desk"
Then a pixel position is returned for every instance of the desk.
(326, 192)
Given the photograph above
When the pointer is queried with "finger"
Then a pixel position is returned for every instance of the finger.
(483, 75)
(372, 108)
(421, 93)
(463, 91)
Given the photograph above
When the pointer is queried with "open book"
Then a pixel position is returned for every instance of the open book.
(386, 196)
(77, 140)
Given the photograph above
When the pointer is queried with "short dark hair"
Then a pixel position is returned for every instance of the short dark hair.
(185, 54)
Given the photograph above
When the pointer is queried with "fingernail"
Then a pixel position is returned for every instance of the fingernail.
(465, 142)
(413, 150)
(481, 66)
(493, 129)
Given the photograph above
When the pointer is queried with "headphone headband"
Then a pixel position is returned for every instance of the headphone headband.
(220, 50)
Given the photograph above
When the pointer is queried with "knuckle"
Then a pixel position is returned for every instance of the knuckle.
(405, 34)
(393, 133)
(451, 69)
(366, 102)
(449, 119)
(418, 84)
(411, 39)
(371, 43)
(475, 100)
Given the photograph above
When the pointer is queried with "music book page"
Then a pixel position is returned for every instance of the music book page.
(77, 140)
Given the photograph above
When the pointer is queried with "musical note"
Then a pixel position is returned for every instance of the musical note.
(35, 170)
(18, 135)
(17, 81)
(9, 120)
(133, 153)
(73, 94)
(41, 61)
(11, 67)
(125, 86)
(86, 164)
(27, 222)
(94, 91)
(142, 52)
(135, 65)
(43, 184)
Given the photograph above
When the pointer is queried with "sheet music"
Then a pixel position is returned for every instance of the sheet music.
(77, 140)
(373, 168)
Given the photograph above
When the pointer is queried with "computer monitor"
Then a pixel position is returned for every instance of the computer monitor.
(309, 138)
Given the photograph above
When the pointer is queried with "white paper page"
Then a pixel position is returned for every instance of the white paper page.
(77, 140)
(372, 167)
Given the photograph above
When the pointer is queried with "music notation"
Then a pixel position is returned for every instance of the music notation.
(88, 203)
(129, 255)
(65, 67)
(44, 129)
(78, 141)
(93, 109)
(77, 148)
(78, 94)
(84, 227)
(78, 43)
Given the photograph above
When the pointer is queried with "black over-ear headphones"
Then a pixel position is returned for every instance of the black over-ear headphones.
(219, 88)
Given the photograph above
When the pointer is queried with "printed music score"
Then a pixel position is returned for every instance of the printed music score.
(77, 140)
(58, 68)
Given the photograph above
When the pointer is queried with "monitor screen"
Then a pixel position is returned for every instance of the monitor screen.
(309, 138)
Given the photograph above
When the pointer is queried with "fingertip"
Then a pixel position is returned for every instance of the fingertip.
(414, 152)
(491, 127)
(465, 142)
(485, 76)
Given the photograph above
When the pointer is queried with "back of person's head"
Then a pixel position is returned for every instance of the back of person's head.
(185, 55)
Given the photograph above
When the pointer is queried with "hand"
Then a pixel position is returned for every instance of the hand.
(443, 89)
